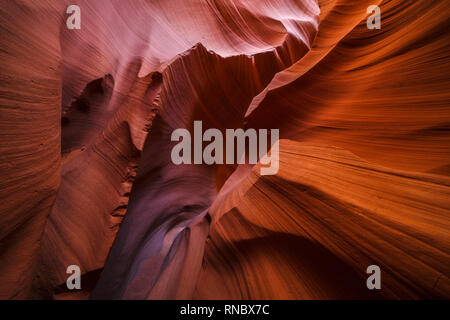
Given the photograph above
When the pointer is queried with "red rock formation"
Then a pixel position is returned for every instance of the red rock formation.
(322, 220)
(30, 154)
(85, 126)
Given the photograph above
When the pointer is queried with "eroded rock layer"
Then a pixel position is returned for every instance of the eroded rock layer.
(85, 149)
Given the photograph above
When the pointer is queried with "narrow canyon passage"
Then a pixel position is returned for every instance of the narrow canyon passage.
(88, 179)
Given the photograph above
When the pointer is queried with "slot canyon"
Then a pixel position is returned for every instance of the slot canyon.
(86, 117)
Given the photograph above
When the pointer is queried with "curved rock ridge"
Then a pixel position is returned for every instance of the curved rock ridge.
(324, 218)
(85, 141)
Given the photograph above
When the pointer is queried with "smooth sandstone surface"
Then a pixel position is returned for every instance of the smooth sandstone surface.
(87, 179)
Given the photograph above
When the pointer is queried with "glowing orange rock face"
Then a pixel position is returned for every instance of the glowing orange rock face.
(86, 122)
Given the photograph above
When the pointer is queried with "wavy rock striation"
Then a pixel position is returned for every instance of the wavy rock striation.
(85, 141)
